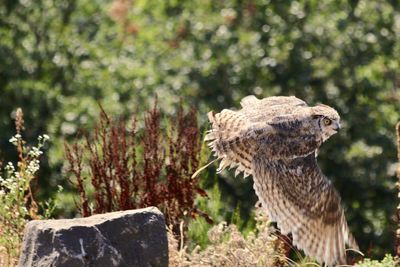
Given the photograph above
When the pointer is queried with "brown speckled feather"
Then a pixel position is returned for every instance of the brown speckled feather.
(302, 201)
(235, 135)
(275, 140)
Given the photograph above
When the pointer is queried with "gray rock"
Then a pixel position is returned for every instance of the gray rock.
(124, 238)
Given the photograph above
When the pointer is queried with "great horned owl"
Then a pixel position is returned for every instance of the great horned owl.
(275, 140)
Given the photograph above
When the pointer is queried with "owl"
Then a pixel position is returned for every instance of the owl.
(275, 140)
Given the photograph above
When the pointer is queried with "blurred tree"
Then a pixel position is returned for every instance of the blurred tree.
(59, 58)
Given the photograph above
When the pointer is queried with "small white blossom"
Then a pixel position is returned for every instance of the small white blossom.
(43, 138)
(13, 140)
(10, 167)
(33, 166)
(35, 152)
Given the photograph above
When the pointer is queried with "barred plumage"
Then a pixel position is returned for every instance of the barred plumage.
(275, 140)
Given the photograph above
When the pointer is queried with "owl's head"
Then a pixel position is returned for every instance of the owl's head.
(326, 119)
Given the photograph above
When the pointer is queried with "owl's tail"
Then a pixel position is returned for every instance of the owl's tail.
(227, 139)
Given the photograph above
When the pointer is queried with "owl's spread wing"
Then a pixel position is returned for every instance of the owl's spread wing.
(228, 142)
(234, 139)
(303, 202)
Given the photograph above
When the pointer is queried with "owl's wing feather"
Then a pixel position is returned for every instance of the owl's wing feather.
(235, 140)
(226, 139)
(303, 202)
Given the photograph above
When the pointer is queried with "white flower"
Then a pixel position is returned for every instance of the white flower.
(33, 166)
(43, 138)
(13, 140)
(35, 152)
(10, 167)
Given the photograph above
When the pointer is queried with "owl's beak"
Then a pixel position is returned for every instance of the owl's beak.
(336, 127)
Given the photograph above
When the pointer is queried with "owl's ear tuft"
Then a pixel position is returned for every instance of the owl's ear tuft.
(323, 105)
(249, 101)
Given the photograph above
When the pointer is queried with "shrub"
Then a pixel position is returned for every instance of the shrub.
(17, 202)
(388, 261)
(133, 168)
(228, 247)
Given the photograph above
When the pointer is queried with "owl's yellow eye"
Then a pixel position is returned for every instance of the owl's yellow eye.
(327, 121)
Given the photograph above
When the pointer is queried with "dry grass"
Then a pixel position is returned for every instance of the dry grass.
(7, 259)
(230, 248)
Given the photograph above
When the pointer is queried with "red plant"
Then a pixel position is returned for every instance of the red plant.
(131, 169)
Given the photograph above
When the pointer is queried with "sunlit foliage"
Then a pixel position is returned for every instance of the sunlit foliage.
(59, 58)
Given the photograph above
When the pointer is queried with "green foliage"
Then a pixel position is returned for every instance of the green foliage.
(59, 58)
(214, 207)
(388, 261)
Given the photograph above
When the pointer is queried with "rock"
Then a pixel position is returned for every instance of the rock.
(124, 238)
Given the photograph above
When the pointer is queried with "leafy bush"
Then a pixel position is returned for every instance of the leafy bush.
(17, 202)
(130, 169)
(388, 261)
(228, 247)
(59, 58)
(216, 207)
